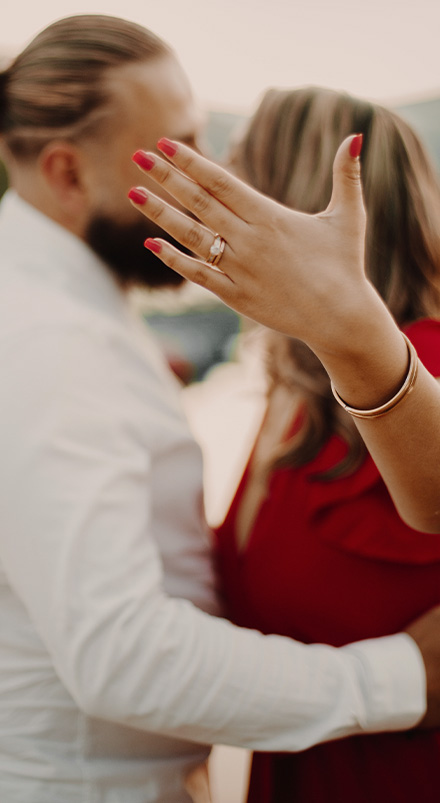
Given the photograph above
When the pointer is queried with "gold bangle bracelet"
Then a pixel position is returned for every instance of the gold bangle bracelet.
(408, 384)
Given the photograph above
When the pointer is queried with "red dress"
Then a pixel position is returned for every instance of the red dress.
(333, 563)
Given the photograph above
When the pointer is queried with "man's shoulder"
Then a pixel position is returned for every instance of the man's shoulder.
(31, 310)
(49, 339)
(46, 337)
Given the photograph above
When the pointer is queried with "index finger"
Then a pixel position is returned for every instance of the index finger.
(244, 201)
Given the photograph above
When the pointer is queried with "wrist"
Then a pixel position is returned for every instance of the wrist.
(364, 353)
(359, 313)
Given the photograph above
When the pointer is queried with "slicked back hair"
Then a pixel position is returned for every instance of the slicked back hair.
(56, 88)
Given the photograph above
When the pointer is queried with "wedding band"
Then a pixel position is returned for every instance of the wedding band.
(216, 250)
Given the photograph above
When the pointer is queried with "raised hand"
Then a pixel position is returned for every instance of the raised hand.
(297, 273)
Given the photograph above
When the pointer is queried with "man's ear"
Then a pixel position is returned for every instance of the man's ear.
(62, 166)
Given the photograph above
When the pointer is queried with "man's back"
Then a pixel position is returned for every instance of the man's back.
(55, 311)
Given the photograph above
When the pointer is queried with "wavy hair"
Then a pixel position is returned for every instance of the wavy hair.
(287, 153)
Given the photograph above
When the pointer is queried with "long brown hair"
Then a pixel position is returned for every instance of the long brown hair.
(56, 87)
(287, 153)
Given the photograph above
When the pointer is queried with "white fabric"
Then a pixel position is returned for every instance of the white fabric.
(103, 673)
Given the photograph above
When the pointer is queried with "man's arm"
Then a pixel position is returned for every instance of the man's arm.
(78, 549)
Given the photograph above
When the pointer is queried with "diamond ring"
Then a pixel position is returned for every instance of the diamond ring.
(216, 250)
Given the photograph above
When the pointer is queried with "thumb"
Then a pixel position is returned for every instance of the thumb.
(347, 186)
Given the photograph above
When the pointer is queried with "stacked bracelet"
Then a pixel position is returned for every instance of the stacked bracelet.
(408, 384)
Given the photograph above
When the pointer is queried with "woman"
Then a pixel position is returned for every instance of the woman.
(312, 514)
(312, 546)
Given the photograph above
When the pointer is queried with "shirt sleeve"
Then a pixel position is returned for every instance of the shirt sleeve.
(79, 550)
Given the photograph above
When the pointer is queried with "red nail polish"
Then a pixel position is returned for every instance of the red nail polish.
(153, 245)
(356, 145)
(143, 160)
(167, 147)
(138, 195)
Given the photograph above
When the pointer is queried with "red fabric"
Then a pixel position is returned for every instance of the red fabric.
(333, 563)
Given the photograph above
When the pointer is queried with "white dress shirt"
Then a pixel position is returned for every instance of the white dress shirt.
(110, 685)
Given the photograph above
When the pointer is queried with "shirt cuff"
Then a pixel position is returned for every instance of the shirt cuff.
(393, 681)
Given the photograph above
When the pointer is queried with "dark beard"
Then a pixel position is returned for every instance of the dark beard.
(121, 247)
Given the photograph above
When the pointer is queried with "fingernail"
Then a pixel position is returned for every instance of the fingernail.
(143, 160)
(167, 147)
(138, 195)
(356, 145)
(153, 245)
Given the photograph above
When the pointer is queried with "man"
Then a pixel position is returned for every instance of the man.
(111, 678)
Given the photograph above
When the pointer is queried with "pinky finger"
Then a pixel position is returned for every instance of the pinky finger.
(192, 269)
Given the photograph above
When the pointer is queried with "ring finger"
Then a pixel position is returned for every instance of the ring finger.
(190, 233)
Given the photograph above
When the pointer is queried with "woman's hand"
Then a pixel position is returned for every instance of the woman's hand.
(300, 274)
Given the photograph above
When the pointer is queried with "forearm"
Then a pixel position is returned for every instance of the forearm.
(368, 365)
(191, 676)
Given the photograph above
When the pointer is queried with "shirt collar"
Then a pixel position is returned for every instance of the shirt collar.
(49, 253)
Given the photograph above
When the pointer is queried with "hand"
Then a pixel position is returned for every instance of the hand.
(300, 274)
(426, 633)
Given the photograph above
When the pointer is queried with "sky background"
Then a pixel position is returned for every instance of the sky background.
(386, 50)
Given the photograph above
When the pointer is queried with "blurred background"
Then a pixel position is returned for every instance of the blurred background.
(232, 50)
